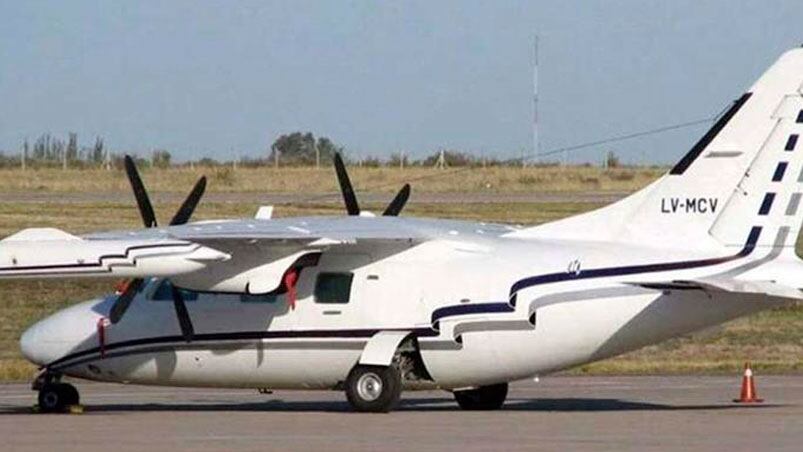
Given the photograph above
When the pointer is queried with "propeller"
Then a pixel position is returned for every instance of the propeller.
(140, 194)
(184, 321)
(350, 198)
(124, 299)
(395, 207)
(184, 212)
(182, 216)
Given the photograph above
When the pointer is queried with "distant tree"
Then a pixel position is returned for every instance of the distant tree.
(208, 161)
(371, 162)
(398, 159)
(612, 160)
(161, 158)
(56, 150)
(72, 147)
(97, 151)
(299, 148)
(118, 160)
(46, 148)
(327, 150)
(248, 162)
(40, 147)
(294, 148)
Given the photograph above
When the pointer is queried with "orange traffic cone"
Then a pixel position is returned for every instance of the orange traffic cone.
(748, 394)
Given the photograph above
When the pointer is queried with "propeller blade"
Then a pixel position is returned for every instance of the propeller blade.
(395, 207)
(350, 199)
(183, 215)
(184, 321)
(184, 212)
(141, 195)
(123, 301)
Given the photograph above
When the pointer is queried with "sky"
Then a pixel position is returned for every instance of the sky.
(223, 79)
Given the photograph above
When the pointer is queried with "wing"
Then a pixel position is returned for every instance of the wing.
(318, 231)
(329, 229)
(240, 256)
(264, 251)
(54, 253)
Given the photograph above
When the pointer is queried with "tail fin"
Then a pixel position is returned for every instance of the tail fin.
(745, 171)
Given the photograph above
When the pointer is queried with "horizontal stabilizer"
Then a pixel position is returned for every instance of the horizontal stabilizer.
(37, 234)
(264, 213)
(726, 285)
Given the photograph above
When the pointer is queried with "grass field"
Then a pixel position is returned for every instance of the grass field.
(772, 340)
(310, 180)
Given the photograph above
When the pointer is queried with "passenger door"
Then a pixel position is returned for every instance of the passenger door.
(329, 294)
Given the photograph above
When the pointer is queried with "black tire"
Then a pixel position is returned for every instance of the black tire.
(375, 389)
(52, 398)
(71, 396)
(56, 397)
(482, 398)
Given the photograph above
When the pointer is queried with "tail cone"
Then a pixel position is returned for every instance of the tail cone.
(748, 393)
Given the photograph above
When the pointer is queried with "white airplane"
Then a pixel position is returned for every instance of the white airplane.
(376, 304)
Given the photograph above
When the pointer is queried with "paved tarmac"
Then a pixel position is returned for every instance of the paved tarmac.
(557, 413)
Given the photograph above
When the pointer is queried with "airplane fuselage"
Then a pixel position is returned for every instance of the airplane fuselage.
(482, 308)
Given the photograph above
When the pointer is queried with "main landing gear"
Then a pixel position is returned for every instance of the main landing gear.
(482, 398)
(378, 389)
(55, 396)
(374, 388)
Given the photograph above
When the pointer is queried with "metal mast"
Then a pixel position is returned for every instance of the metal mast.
(536, 140)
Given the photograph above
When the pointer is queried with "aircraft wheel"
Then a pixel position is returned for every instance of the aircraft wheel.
(482, 398)
(55, 397)
(71, 396)
(373, 388)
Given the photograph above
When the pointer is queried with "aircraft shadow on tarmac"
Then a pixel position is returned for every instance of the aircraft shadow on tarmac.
(410, 405)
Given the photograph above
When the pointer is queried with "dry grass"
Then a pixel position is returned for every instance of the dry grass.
(310, 180)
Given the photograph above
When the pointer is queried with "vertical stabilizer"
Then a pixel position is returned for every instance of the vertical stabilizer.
(745, 171)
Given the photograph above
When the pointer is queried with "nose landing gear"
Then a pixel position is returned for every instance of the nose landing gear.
(55, 396)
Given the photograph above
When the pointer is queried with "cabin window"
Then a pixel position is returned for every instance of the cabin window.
(333, 287)
(164, 292)
(261, 298)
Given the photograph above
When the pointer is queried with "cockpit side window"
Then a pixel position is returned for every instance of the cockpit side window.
(331, 287)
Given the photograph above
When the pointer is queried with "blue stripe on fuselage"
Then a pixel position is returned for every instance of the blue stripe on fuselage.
(481, 308)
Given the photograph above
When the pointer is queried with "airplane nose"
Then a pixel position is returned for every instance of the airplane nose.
(63, 332)
(30, 346)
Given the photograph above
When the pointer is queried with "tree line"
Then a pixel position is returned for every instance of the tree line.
(292, 149)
